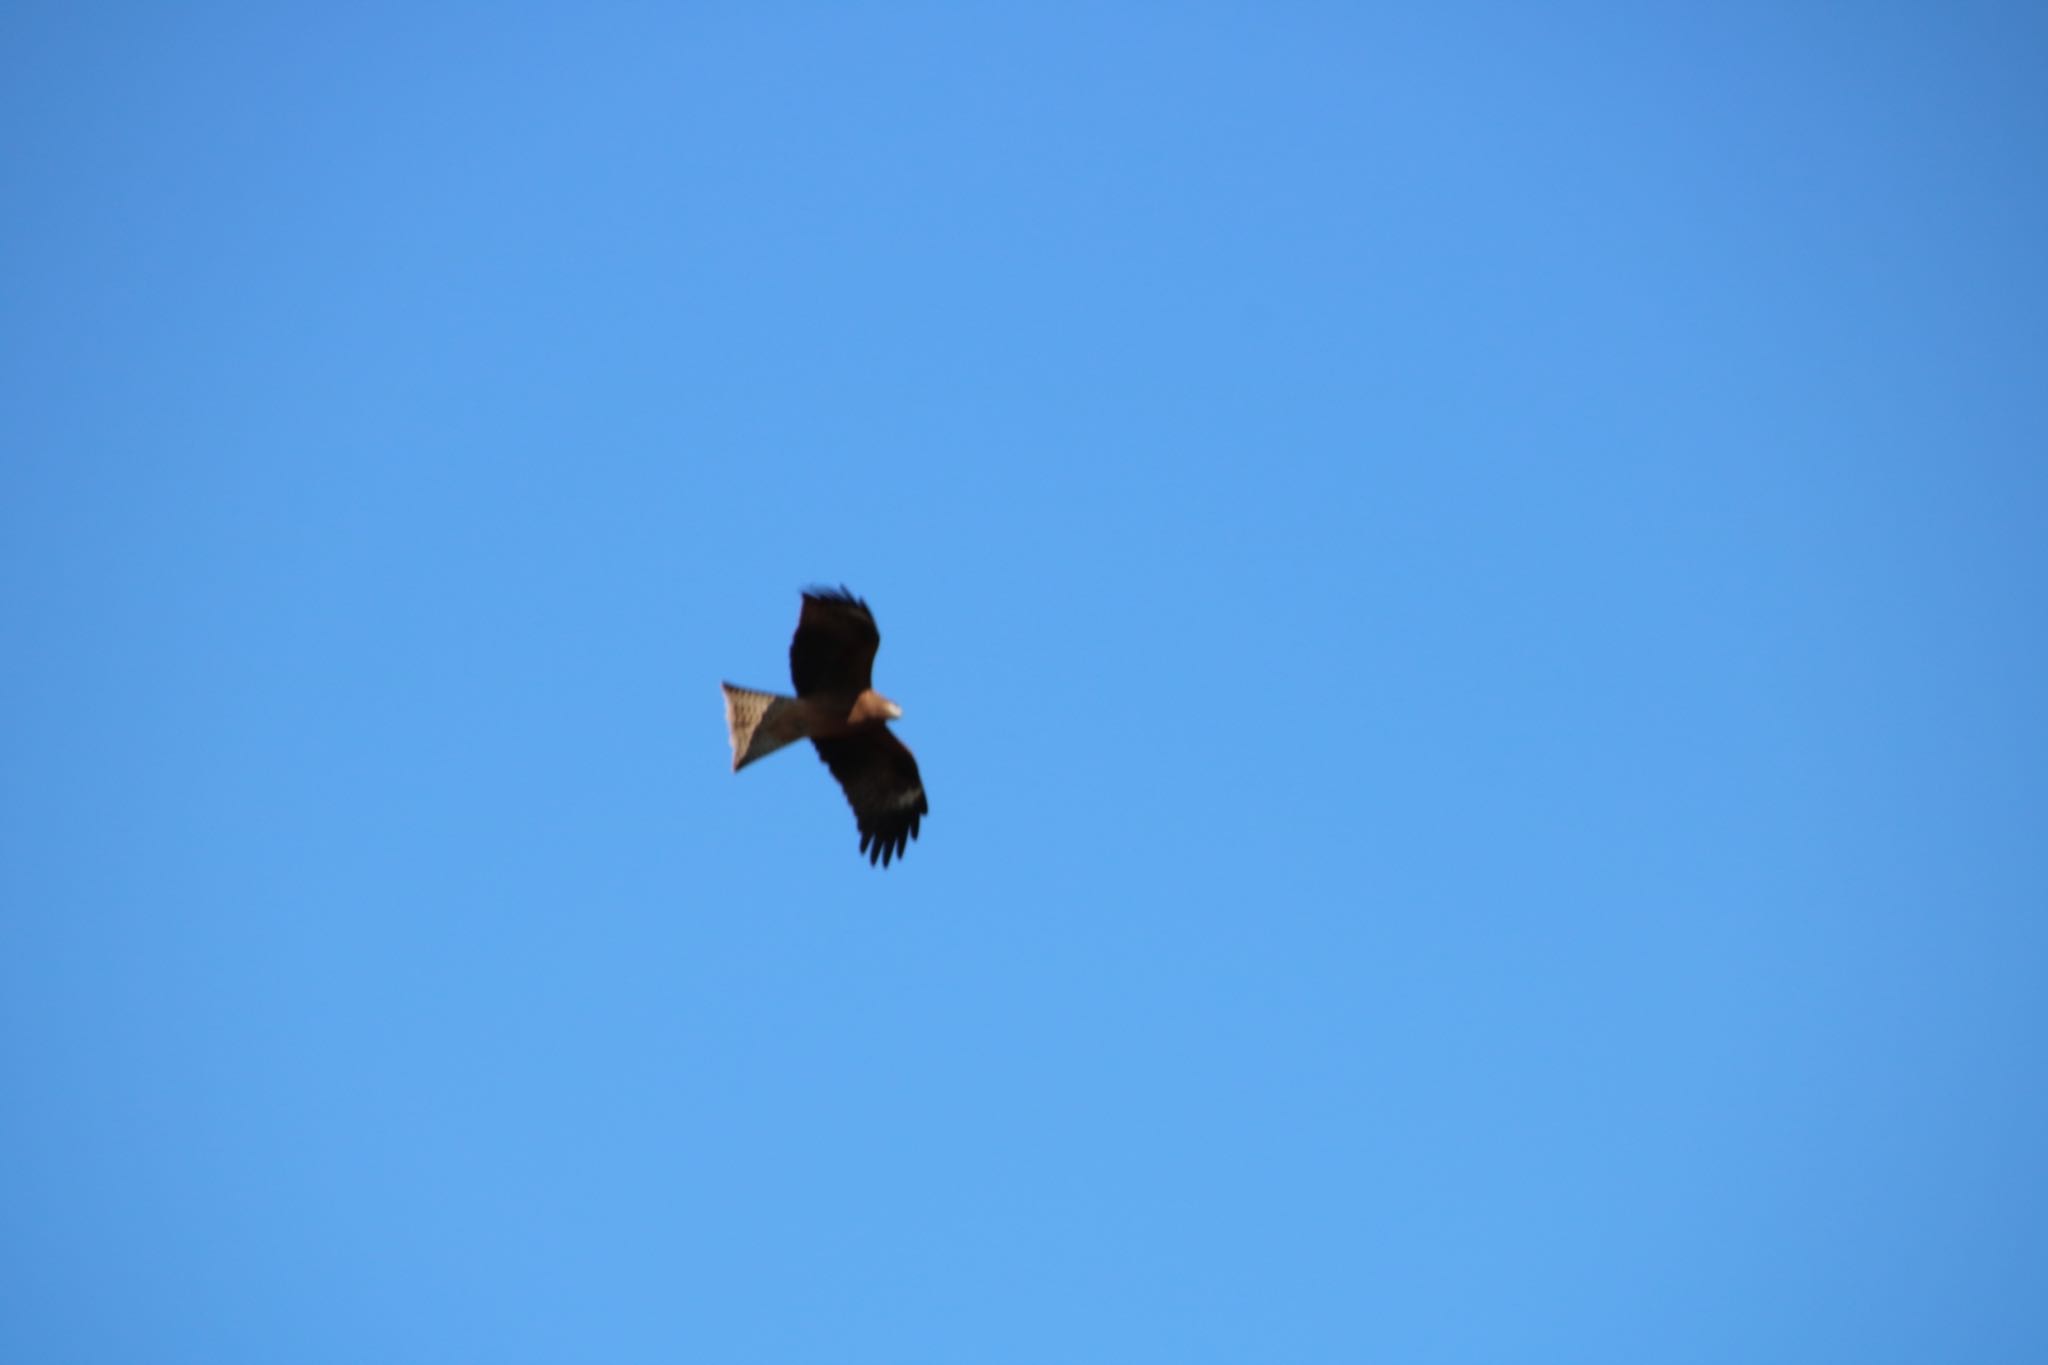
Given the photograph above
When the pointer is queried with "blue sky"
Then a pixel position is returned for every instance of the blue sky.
(1467, 582)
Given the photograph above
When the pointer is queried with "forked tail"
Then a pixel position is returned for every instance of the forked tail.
(759, 723)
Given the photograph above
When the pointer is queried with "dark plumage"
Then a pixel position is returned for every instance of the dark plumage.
(831, 662)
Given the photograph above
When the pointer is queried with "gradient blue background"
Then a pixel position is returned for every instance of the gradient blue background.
(1468, 582)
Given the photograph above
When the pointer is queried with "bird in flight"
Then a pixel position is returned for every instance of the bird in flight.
(831, 661)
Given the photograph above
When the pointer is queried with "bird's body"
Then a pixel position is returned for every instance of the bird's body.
(768, 720)
(831, 660)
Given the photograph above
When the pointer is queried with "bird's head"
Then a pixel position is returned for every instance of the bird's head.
(873, 706)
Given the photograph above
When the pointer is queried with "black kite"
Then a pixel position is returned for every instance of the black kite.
(836, 707)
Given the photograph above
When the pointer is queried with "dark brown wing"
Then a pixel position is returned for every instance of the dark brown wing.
(835, 644)
(882, 786)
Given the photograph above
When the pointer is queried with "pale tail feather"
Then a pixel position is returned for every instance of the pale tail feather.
(759, 723)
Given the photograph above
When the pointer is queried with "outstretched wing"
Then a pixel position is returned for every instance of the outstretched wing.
(835, 644)
(881, 783)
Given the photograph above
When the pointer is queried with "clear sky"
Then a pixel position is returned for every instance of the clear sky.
(1467, 580)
